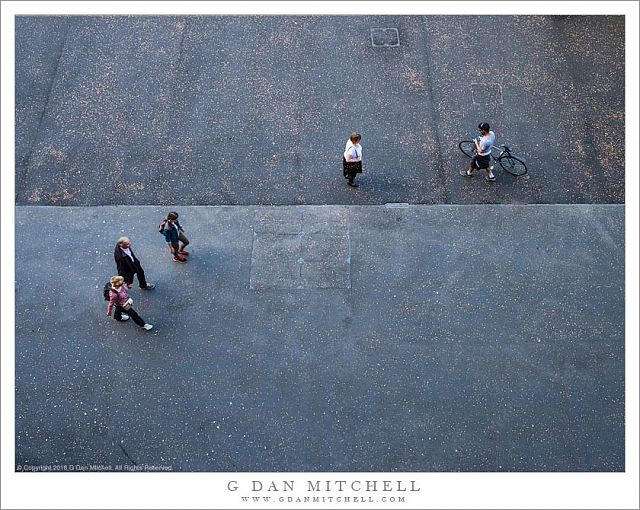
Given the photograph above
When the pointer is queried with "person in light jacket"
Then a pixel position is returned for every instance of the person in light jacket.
(121, 305)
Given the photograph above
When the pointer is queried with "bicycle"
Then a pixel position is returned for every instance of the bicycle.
(509, 163)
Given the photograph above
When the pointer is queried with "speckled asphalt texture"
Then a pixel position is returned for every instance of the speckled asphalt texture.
(463, 326)
(256, 110)
(438, 350)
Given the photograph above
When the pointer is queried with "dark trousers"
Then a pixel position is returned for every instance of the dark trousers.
(480, 162)
(117, 315)
(141, 278)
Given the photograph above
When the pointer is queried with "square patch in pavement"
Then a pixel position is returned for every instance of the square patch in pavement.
(300, 248)
(486, 93)
(275, 261)
(385, 37)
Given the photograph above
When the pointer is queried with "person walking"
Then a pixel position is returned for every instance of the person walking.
(128, 264)
(482, 159)
(122, 305)
(174, 235)
(352, 159)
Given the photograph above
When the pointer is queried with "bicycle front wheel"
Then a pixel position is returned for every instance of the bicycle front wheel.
(468, 148)
(513, 165)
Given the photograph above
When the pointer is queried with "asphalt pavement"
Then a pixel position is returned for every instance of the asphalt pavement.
(422, 322)
(326, 338)
(242, 110)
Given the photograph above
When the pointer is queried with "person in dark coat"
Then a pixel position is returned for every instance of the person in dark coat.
(129, 265)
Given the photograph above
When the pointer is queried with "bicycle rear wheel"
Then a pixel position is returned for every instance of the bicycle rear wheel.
(468, 148)
(513, 165)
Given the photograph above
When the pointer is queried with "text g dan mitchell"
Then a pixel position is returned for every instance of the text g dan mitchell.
(325, 486)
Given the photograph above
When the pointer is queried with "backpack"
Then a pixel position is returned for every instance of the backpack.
(161, 226)
(106, 291)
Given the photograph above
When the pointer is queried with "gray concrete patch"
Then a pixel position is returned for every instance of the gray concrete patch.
(471, 338)
(299, 247)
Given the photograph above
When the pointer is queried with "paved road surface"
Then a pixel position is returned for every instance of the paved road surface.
(404, 341)
(256, 110)
(332, 332)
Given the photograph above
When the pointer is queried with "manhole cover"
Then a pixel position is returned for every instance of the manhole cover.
(385, 37)
(486, 93)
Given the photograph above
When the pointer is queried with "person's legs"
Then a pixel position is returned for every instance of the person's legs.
(120, 314)
(472, 164)
(136, 318)
(141, 278)
(489, 177)
(184, 241)
(485, 164)
(174, 248)
(351, 176)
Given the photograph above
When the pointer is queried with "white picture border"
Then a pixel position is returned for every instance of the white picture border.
(210, 490)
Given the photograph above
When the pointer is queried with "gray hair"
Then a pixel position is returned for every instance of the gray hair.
(122, 240)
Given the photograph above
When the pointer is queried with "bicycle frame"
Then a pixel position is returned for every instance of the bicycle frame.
(503, 152)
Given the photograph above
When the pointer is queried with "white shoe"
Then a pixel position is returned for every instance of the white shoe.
(147, 327)
(124, 317)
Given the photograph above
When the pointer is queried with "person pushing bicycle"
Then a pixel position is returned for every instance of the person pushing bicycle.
(482, 159)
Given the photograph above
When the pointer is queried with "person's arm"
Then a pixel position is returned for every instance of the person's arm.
(112, 295)
(117, 255)
(350, 153)
(167, 232)
(484, 143)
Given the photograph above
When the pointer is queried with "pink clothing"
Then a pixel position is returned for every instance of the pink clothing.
(118, 298)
